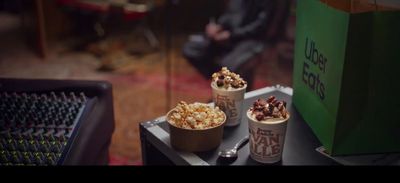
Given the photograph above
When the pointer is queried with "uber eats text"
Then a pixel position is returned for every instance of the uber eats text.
(314, 59)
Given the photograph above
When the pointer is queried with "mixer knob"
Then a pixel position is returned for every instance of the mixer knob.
(19, 154)
(4, 158)
(82, 97)
(13, 128)
(50, 160)
(38, 160)
(54, 156)
(24, 96)
(7, 135)
(44, 146)
(46, 121)
(31, 156)
(56, 149)
(16, 159)
(71, 118)
(53, 96)
(45, 149)
(63, 112)
(58, 122)
(62, 138)
(69, 123)
(22, 129)
(73, 97)
(67, 130)
(63, 96)
(58, 144)
(34, 96)
(8, 154)
(19, 136)
(4, 143)
(29, 136)
(21, 145)
(43, 97)
(25, 146)
(40, 137)
(27, 159)
(34, 147)
(36, 121)
(12, 146)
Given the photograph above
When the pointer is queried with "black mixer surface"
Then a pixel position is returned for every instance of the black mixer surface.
(38, 128)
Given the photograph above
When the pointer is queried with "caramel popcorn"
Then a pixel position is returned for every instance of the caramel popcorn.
(196, 116)
(270, 108)
(227, 79)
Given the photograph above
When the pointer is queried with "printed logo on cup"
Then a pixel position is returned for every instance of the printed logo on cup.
(265, 143)
(227, 105)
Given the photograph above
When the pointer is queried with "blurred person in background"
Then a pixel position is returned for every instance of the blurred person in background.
(233, 39)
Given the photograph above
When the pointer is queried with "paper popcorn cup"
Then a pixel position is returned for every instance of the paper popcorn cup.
(266, 139)
(231, 102)
(195, 140)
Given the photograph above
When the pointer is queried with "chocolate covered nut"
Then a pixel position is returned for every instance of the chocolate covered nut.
(255, 104)
(220, 82)
(259, 117)
(275, 102)
(266, 111)
(276, 113)
(285, 114)
(259, 107)
(262, 102)
(271, 108)
(270, 99)
(280, 106)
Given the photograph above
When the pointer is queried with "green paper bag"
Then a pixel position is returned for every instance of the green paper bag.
(346, 77)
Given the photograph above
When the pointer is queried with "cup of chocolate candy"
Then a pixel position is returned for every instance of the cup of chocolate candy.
(228, 91)
(267, 127)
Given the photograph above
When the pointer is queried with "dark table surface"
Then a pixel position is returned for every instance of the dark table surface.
(300, 145)
(299, 149)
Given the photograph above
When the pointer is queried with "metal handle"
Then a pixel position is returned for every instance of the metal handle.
(241, 143)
